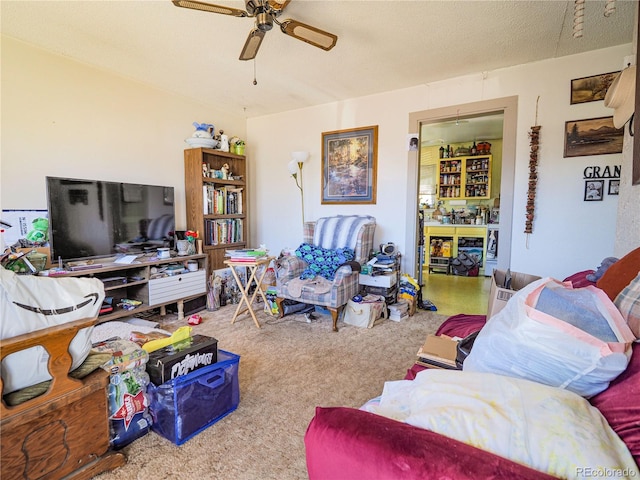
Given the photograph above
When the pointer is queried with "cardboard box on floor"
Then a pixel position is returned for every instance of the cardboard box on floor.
(499, 296)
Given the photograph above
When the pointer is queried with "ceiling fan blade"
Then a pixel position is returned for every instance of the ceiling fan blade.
(312, 35)
(209, 7)
(252, 44)
(278, 4)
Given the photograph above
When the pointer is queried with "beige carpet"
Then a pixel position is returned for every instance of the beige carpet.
(287, 368)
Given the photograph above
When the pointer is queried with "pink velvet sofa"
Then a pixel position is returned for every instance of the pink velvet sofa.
(348, 443)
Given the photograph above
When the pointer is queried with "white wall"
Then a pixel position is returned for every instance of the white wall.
(569, 234)
(63, 118)
(276, 200)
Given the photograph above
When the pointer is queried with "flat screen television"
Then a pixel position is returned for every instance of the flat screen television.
(93, 218)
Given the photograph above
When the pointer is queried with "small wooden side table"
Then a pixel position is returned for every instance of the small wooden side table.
(253, 266)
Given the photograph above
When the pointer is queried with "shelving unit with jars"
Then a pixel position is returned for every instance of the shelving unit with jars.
(465, 177)
(216, 206)
(450, 178)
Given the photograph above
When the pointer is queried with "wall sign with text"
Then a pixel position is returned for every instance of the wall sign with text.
(595, 177)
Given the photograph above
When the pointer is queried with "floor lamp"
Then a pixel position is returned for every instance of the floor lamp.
(295, 169)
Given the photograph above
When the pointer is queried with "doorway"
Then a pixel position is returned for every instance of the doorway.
(506, 109)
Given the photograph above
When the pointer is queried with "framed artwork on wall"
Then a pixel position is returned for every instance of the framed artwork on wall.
(591, 89)
(614, 187)
(593, 136)
(593, 190)
(349, 166)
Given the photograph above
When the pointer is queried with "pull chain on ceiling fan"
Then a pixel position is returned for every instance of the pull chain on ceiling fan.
(266, 13)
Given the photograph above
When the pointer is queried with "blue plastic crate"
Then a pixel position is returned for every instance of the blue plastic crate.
(184, 406)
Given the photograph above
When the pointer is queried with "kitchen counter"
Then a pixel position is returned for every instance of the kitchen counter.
(438, 224)
(471, 239)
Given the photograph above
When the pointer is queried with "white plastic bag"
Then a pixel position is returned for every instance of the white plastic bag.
(526, 342)
(29, 303)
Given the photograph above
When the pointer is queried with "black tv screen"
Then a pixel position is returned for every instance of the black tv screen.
(93, 218)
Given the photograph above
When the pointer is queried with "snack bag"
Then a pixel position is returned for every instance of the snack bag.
(129, 417)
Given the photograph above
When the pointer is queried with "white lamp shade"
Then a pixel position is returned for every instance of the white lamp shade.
(300, 157)
(293, 167)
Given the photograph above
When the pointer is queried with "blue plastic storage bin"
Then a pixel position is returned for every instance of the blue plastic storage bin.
(184, 406)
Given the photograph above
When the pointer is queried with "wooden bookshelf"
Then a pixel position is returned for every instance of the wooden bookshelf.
(221, 223)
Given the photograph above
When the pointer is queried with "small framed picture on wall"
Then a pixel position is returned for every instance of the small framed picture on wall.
(593, 190)
(591, 89)
(614, 186)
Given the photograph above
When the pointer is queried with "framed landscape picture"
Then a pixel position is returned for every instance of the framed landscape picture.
(594, 136)
(591, 89)
(349, 166)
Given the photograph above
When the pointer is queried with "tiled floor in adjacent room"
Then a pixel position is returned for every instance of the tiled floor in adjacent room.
(453, 294)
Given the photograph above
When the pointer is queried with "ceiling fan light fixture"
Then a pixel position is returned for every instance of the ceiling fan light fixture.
(264, 21)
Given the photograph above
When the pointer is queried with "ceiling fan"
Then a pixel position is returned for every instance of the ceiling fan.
(266, 13)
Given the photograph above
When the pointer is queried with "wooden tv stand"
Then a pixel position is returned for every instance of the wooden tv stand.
(137, 281)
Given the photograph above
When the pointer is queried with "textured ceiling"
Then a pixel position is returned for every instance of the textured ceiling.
(382, 45)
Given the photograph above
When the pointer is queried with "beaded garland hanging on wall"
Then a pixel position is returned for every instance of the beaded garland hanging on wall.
(534, 136)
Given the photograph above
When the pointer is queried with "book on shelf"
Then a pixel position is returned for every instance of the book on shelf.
(223, 231)
(225, 200)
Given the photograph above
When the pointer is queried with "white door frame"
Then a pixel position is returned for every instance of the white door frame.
(509, 107)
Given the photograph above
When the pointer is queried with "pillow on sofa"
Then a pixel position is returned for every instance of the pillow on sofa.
(523, 421)
(628, 302)
(322, 261)
(347, 443)
(620, 274)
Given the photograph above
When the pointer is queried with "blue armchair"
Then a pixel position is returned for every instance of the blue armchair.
(330, 234)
